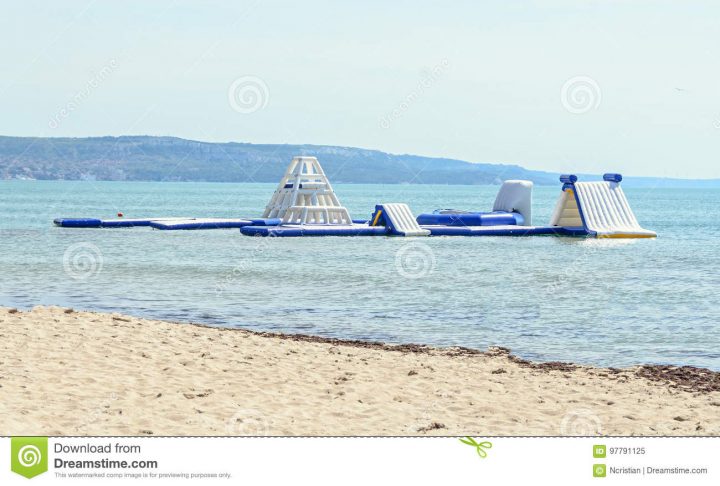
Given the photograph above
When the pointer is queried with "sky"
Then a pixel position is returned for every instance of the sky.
(630, 86)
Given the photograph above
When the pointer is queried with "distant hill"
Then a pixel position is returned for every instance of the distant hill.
(143, 158)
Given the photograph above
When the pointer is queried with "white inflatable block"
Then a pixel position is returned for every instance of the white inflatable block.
(515, 196)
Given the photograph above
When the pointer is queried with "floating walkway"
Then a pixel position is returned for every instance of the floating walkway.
(159, 223)
(305, 204)
(110, 223)
(315, 230)
(203, 224)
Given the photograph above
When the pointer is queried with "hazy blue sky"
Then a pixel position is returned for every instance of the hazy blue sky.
(587, 86)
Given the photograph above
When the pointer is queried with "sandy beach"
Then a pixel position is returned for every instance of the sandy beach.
(66, 372)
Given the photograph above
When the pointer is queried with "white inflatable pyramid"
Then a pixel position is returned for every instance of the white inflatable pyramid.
(305, 196)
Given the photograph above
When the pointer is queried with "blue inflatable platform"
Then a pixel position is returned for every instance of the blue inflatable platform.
(315, 230)
(503, 230)
(451, 217)
(165, 223)
(109, 223)
(203, 224)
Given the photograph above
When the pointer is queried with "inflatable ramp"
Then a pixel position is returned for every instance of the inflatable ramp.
(600, 208)
(398, 219)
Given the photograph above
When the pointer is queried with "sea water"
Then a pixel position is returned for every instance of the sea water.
(601, 302)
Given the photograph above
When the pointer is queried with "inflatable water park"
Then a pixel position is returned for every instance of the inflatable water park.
(305, 204)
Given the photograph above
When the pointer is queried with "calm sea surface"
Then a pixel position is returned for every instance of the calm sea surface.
(612, 303)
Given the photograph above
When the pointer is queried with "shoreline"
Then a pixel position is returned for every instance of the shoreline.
(67, 372)
(686, 377)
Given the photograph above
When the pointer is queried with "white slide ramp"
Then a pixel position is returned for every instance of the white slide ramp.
(401, 220)
(602, 207)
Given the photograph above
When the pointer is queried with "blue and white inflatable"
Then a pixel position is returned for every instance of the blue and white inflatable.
(594, 209)
(305, 204)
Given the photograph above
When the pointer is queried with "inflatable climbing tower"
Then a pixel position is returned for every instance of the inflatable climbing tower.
(305, 196)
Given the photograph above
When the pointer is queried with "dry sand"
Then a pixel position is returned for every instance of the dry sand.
(64, 372)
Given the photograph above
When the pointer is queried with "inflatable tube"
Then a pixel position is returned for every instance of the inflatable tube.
(104, 223)
(266, 222)
(509, 230)
(77, 222)
(314, 230)
(448, 218)
(125, 223)
(200, 224)
(165, 223)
